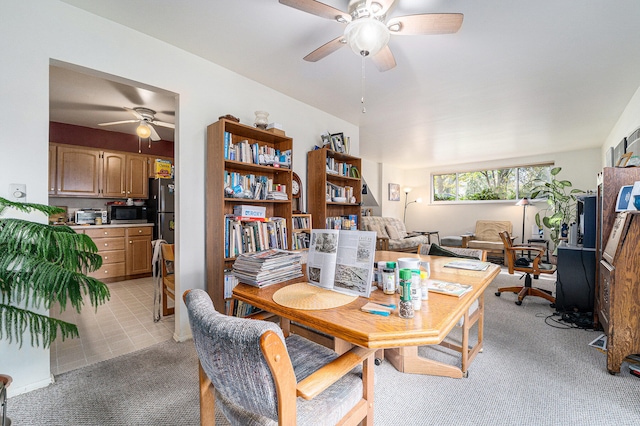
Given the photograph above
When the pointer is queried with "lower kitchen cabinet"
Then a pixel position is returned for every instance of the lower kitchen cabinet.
(138, 250)
(125, 251)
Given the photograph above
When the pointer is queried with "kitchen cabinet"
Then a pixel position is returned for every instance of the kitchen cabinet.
(124, 175)
(77, 171)
(53, 156)
(81, 171)
(110, 243)
(126, 250)
(138, 250)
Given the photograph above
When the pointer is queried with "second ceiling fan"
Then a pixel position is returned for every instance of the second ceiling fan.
(368, 31)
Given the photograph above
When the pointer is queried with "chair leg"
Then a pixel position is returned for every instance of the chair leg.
(527, 290)
(165, 309)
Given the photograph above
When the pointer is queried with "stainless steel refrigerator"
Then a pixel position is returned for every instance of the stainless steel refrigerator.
(161, 209)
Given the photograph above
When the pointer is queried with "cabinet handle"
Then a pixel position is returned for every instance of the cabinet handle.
(139, 231)
(106, 257)
(123, 192)
(106, 271)
(106, 244)
(130, 242)
(106, 232)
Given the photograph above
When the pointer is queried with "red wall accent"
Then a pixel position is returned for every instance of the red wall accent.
(105, 139)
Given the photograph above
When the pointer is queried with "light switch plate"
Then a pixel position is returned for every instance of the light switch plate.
(18, 192)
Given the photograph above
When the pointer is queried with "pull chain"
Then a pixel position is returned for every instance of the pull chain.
(139, 151)
(364, 109)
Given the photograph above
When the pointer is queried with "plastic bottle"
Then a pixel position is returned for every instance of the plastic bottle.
(388, 280)
(416, 290)
(396, 271)
(424, 285)
(405, 309)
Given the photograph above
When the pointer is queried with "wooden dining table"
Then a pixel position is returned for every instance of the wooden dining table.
(399, 337)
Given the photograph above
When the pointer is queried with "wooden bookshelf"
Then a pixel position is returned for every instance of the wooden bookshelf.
(329, 168)
(219, 204)
(302, 224)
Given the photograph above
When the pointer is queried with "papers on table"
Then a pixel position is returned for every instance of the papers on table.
(471, 265)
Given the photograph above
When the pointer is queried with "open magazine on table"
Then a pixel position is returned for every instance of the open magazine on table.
(342, 260)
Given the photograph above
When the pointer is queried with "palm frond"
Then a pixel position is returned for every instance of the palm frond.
(15, 321)
(41, 265)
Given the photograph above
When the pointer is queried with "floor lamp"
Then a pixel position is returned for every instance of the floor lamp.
(524, 203)
(406, 203)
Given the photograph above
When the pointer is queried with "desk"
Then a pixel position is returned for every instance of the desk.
(430, 325)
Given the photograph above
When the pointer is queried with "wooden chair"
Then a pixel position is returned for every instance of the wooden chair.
(168, 277)
(256, 378)
(535, 267)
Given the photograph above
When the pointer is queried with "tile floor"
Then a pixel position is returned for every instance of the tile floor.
(124, 324)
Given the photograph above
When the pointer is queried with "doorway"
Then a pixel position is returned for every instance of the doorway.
(81, 99)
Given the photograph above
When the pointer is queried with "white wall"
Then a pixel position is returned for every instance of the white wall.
(580, 167)
(627, 123)
(34, 32)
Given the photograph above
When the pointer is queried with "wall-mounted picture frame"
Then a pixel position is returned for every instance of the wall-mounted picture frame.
(394, 192)
(610, 161)
(337, 142)
(624, 159)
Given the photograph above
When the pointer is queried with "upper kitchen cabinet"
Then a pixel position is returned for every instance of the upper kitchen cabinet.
(124, 175)
(86, 172)
(77, 171)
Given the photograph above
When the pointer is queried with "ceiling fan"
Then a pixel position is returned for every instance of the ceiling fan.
(368, 31)
(146, 118)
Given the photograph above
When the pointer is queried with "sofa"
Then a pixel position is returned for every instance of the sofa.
(487, 237)
(391, 234)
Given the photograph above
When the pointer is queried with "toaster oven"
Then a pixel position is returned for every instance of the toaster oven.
(91, 217)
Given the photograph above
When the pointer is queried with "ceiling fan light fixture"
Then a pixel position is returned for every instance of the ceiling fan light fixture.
(143, 130)
(366, 36)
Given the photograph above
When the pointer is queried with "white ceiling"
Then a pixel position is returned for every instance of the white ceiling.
(519, 78)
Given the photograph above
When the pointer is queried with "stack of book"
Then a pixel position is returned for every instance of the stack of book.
(267, 267)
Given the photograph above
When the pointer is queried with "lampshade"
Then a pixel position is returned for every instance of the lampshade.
(143, 130)
(524, 202)
(407, 190)
(366, 36)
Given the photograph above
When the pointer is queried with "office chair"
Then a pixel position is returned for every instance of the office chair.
(535, 267)
(256, 376)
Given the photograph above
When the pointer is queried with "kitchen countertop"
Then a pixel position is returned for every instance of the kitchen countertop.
(116, 225)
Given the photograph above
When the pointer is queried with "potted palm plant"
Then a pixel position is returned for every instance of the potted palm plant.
(40, 265)
(560, 208)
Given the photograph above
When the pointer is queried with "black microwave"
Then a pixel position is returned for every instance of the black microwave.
(127, 214)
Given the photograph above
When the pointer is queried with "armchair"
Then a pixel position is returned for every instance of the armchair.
(535, 267)
(259, 378)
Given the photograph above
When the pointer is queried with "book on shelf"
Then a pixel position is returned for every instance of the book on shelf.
(254, 153)
(261, 269)
(248, 236)
(468, 264)
(347, 222)
(450, 289)
(342, 260)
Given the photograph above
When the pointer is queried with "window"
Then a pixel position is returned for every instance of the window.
(497, 184)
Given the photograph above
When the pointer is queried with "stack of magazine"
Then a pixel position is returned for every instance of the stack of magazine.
(267, 267)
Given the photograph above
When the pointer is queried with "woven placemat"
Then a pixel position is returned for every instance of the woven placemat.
(309, 297)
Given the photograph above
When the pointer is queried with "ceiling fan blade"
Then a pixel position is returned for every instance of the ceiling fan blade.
(117, 122)
(325, 49)
(154, 135)
(384, 60)
(163, 124)
(135, 113)
(319, 9)
(426, 24)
